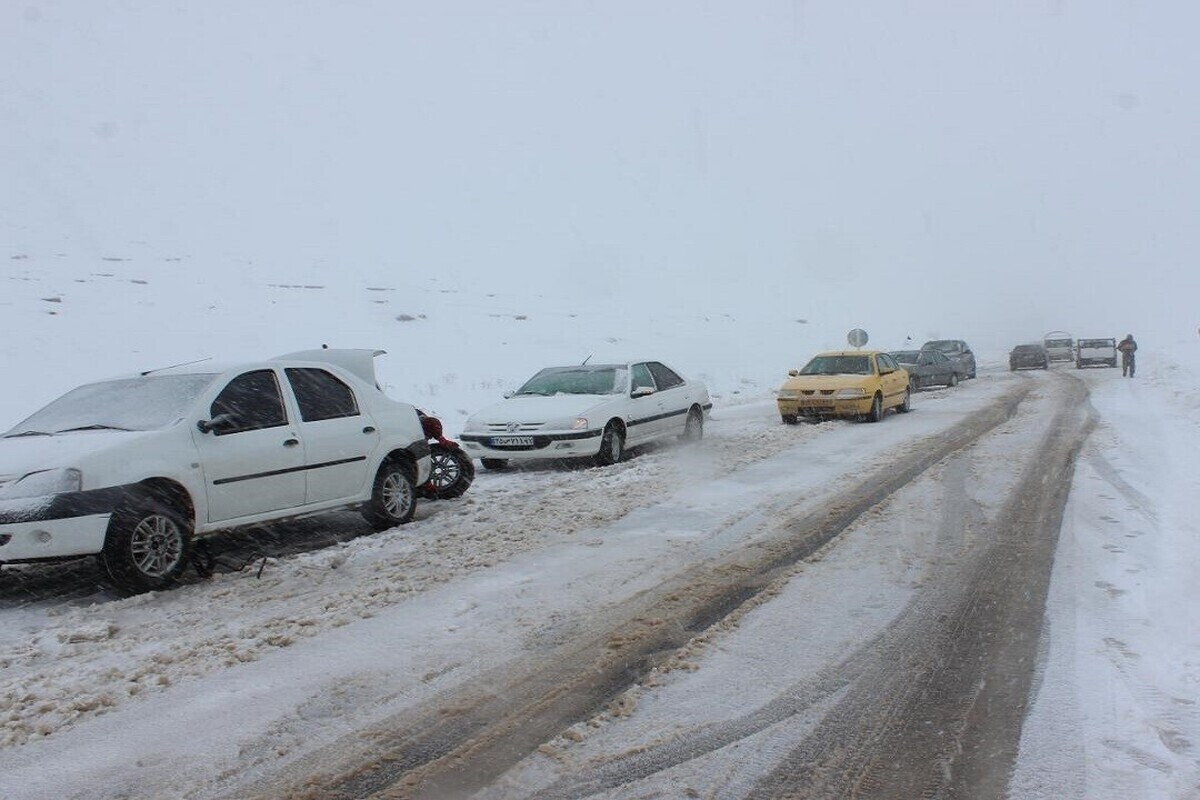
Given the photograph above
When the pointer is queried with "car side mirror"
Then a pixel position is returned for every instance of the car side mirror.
(793, 373)
(642, 391)
(217, 423)
(508, 394)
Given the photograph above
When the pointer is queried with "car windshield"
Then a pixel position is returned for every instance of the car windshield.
(132, 404)
(838, 365)
(606, 379)
(944, 345)
(906, 356)
(1097, 343)
(1058, 343)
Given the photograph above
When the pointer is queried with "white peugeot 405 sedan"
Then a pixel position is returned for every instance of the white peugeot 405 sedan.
(592, 410)
(133, 468)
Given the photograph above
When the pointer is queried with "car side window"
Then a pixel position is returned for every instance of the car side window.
(251, 401)
(925, 359)
(321, 395)
(639, 377)
(887, 362)
(664, 376)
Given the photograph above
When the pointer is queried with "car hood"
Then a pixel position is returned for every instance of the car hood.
(818, 382)
(536, 408)
(24, 454)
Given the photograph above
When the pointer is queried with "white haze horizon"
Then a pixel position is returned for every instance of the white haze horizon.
(982, 173)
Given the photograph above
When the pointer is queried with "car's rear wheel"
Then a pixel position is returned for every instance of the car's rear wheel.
(147, 547)
(393, 497)
(876, 413)
(494, 463)
(612, 445)
(693, 427)
(789, 419)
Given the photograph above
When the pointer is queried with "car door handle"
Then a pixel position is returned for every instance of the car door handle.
(369, 429)
(290, 442)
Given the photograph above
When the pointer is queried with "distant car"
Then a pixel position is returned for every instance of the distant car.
(928, 368)
(861, 384)
(1060, 345)
(1028, 356)
(1096, 352)
(956, 350)
(594, 411)
(133, 468)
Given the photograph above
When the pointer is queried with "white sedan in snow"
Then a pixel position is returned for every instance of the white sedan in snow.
(133, 468)
(593, 410)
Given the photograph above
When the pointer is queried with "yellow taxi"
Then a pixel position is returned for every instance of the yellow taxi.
(862, 384)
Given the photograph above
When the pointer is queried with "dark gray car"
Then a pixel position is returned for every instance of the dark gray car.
(1026, 356)
(956, 350)
(929, 368)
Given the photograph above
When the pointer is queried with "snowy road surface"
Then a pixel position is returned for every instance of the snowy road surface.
(826, 611)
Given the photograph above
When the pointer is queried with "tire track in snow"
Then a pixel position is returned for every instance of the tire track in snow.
(432, 752)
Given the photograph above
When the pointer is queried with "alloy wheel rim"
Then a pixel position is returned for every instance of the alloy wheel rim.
(156, 545)
(397, 495)
(445, 471)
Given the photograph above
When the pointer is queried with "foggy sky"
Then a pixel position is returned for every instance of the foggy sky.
(923, 167)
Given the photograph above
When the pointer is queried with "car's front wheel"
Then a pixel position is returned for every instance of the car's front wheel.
(953, 381)
(876, 413)
(393, 497)
(147, 547)
(612, 446)
(905, 406)
(789, 419)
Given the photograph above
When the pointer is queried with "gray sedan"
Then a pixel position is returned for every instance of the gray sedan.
(929, 368)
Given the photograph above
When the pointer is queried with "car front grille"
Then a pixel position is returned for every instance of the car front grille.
(514, 427)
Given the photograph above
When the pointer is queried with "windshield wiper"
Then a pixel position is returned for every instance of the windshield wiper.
(94, 427)
(26, 433)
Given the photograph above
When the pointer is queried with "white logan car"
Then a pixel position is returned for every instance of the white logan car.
(594, 411)
(133, 468)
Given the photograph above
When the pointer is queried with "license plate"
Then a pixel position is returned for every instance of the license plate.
(817, 403)
(512, 441)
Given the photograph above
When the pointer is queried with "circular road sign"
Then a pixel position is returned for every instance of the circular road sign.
(857, 337)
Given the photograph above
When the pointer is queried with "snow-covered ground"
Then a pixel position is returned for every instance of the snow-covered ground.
(206, 689)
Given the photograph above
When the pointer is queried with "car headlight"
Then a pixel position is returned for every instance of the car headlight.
(850, 394)
(472, 424)
(580, 424)
(788, 394)
(44, 482)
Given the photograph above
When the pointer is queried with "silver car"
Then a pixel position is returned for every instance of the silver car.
(956, 350)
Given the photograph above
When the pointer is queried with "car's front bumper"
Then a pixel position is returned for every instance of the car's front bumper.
(824, 406)
(36, 540)
(527, 447)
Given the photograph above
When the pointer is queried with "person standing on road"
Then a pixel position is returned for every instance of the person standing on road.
(1127, 347)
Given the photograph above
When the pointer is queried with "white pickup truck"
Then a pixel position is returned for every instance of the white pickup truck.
(1096, 352)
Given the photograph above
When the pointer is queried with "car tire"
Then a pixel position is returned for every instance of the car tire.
(393, 496)
(876, 413)
(953, 380)
(905, 406)
(451, 473)
(914, 383)
(612, 446)
(147, 547)
(494, 464)
(693, 426)
(789, 419)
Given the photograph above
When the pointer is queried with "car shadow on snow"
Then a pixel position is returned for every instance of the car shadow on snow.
(82, 581)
